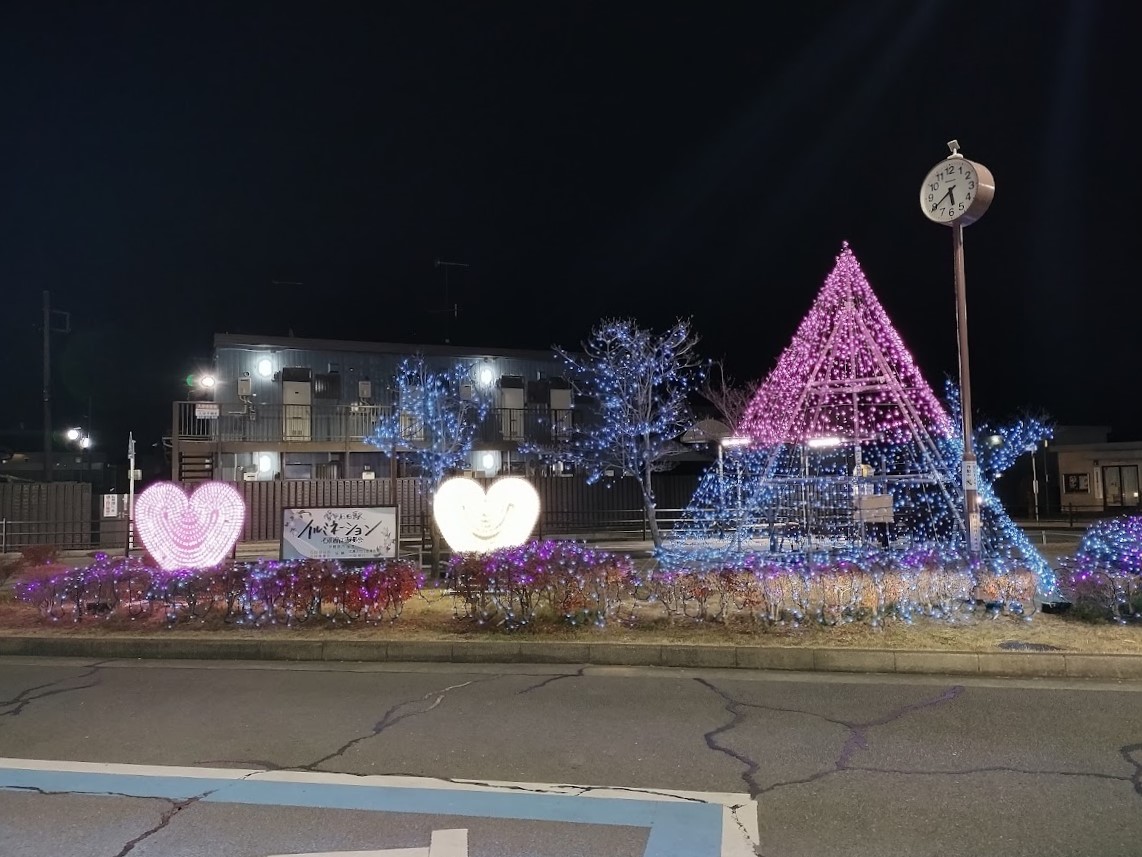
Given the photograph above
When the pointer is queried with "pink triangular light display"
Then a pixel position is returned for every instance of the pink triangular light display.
(846, 375)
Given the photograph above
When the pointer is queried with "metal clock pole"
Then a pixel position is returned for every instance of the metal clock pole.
(957, 192)
(970, 469)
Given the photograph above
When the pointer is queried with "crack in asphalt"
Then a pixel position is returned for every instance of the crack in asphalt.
(550, 679)
(734, 707)
(857, 738)
(260, 764)
(1127, 753)
(24, 698)
(990, 769)
(176, 806)
(394, 716)
(165, 819)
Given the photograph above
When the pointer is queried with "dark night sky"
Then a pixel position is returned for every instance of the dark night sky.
(162, 165)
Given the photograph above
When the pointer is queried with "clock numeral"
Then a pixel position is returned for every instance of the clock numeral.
(931, 197)
(961, 206)
(967, 198)
(971, 185)
(934, 186)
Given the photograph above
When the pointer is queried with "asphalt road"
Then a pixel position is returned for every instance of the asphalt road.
(248, 760)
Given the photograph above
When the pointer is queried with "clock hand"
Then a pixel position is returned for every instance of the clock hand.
(952, 198)
(936, 204)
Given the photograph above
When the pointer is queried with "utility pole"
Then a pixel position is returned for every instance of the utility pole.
(47, 325)
(47, 386)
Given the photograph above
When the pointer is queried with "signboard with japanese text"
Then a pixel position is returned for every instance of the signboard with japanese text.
(346, 533)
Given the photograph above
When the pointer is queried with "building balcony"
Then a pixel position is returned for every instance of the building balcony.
(235, 423)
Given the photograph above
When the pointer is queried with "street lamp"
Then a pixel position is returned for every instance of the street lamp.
(81, 437)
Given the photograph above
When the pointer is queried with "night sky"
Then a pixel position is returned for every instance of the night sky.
(174, 170)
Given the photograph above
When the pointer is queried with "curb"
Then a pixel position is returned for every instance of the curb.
(909, 662)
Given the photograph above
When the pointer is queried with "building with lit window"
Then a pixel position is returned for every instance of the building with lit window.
(290, 408)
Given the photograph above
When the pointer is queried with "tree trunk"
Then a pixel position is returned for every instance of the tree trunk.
(649, 506)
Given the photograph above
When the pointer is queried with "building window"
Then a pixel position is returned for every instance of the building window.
(327, 385)
(1120, 484)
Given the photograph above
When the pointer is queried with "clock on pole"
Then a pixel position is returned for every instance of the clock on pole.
(957, 192)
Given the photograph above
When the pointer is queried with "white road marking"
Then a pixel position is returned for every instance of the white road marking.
(445, 843)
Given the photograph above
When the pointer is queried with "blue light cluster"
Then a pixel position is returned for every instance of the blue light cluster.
(641, 382)
(1115, 544)
(433, 421)
(796, 498)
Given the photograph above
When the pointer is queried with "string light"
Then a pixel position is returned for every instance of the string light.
(434, 419)
(852, 454)
(189, 532)
(1105, 577)
(472, 520)
(266, 592)
(641, 382)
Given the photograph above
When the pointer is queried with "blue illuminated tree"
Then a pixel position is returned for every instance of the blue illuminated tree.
(641, 382)
(433, 420)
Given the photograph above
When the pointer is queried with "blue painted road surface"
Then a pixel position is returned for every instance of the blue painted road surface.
(572, 820)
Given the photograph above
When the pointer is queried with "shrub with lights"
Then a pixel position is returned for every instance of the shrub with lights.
(851, 455)
(570, 583)
(831, 588)
(1104, 580)
(248, 594)
(555, 580)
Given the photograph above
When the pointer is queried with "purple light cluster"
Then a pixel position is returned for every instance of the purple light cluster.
(829, 381)
(258, 593)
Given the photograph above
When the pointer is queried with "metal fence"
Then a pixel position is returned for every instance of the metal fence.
(67, 516)
(56, 513)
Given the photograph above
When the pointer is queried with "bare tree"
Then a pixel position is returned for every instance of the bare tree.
(641, 381)
(729, 398)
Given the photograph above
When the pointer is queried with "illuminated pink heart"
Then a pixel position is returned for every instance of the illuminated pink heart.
(474, 521)
(189, 532)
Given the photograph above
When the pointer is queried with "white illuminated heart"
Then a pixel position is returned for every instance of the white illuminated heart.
(473, 521)
(195, 532)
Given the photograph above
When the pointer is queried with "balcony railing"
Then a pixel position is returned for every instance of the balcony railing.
(221, 421)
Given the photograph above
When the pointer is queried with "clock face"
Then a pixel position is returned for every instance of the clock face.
(949, 189)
